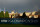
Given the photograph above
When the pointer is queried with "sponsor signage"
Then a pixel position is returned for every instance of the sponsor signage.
(20, 21)
(3, 20)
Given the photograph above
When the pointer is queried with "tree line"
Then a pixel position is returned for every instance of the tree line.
(4, 15)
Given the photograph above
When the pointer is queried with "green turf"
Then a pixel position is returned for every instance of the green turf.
(17, 25)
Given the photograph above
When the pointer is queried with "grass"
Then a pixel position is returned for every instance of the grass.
(18, 25)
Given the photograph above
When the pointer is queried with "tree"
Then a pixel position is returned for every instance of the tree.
(6, 14)
(24, 15)
(2, 14)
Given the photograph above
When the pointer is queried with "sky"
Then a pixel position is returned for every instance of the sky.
(20, 5)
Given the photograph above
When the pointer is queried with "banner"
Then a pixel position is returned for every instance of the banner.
(19, 21)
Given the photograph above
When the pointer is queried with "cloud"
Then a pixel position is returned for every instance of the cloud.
(14, 3)
(32, 5)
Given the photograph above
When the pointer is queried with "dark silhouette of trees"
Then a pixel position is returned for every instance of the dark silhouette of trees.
(32, 17)
(24, 15)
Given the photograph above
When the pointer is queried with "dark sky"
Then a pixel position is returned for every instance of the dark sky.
(20, 5)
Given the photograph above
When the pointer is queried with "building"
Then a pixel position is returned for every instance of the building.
(28, 13)
(33, 13)
(21, 14)
(35, 16)
(13, 14)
